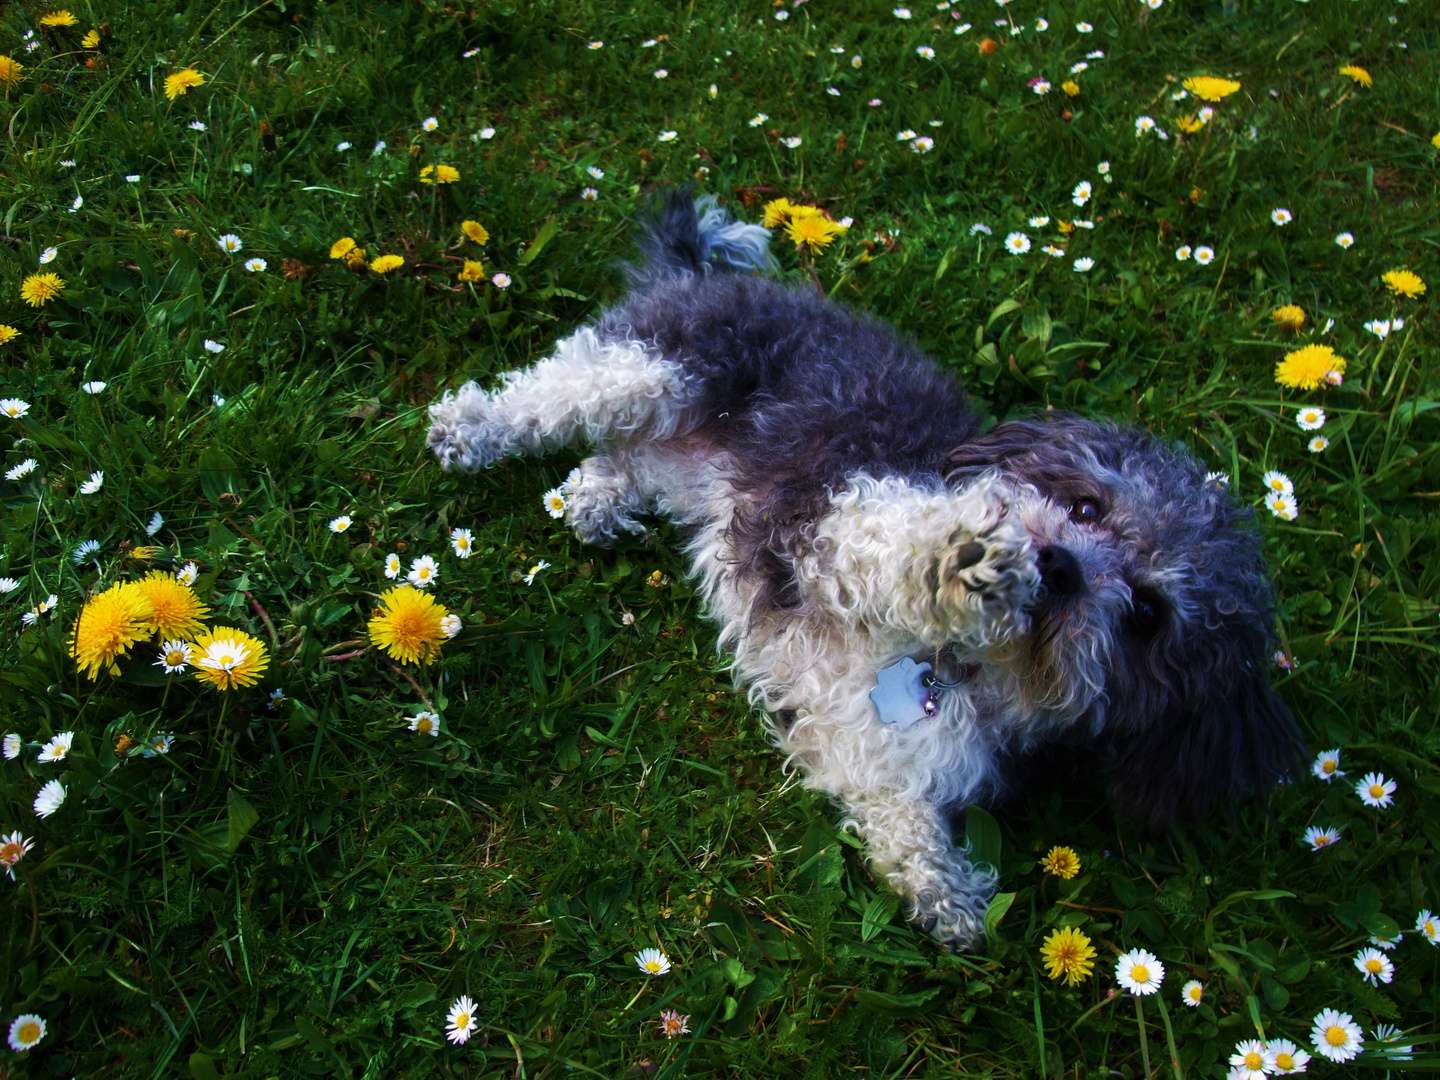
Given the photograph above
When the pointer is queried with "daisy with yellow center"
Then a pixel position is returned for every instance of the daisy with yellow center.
(1192, 993)
(1429, 926)
(385, 263)
(175, 656)
(108, 625)
(425, 723)
(1359, 74)
(814, 232)
(652, 962)
(342, 247)
(1307, 368)
(472, 272)
(673, 1025)
(1318, 838)
(58, 18)
(1062, 862)
(1140, 972)
(1374, 790)
(39, 289)
(1374, 966)
(461, 1020)
(407, 625)
(1289, 316)
(475, 231)
(176, 612)
(227, 658)
(1248, 1061)
(11, 71)
(12, 850)
(1336, 1035)
(1404, 283)
(1282, 1056)
(28, 1029)
(1068, 955)
(180, 82)
(439, 174)
(1210, 88)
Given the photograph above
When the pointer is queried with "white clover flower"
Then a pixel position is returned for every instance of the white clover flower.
(22, 470)
(96, 481)
(423, 572)
(1083, 264)
(256, 265)
(213, 346)
(1017, 243)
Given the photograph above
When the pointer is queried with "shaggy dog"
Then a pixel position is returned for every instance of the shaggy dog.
(1063, 581)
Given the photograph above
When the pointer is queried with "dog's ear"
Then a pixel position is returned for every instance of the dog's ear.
(1231, 737)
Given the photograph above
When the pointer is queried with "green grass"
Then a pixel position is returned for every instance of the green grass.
(304, 890)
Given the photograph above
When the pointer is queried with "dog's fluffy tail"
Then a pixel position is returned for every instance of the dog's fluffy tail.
(688, 237)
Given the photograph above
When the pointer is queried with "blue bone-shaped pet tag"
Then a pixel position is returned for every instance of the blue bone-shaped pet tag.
(901, 695)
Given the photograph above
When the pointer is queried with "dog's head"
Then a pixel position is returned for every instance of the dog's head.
(1151, 631)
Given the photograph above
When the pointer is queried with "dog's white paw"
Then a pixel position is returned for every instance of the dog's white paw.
(949, 897)
(988, 576)
(599, 507)
(466, 432)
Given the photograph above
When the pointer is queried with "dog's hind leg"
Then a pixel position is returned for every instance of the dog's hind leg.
(591, 390)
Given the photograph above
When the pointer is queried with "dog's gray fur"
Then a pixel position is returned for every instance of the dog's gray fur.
(1082, 582)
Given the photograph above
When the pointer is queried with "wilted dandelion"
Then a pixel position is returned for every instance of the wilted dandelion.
(407, 625)
(673, 1025)
(8, 333)
(13, 849)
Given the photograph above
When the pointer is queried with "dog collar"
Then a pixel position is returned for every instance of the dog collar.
(907, 692)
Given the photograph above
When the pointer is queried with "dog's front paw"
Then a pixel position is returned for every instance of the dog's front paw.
(988, 577)
(466, 432)
(599, 507)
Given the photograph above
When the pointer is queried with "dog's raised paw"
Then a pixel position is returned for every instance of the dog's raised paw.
(989, 578)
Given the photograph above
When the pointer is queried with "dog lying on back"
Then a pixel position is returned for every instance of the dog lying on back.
(918, 605)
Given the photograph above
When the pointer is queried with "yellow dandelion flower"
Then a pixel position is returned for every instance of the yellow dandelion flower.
(90, 40)
(180, 82)
(1190, 124)
(58, 18)
(39, 289)
(1071, 87)
(108, 625)
(475, 231)
(175, 611)
(342, 247)
(1196, 193)
(385, 263)
(1305, 369)
(8, 334)
(144, 553)
(407, 625)
(472, 271)
(1435, 140)
(1290, 316)
(1403, 283)
(356, 258)
(439, 174)
(1068, 954)
(1210, 88)
(226, 658)
(1062, 862)
(777, 213)
(11, 71)
(1359, 74)
(814, 231)
(1066, 227)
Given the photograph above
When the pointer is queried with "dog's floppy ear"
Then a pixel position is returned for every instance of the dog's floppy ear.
(1227, 738)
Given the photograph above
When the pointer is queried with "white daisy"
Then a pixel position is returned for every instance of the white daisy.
(1053, 251)
(14, 407)
(487, 133)
(1040, 87)
(1081, 195)
(425, 722)
(197, 125)
(48, 255)
(782, 15)
(1310, 418)
(1283, 507)
(1429, 926)
(792, 142)
(589, 194)
(341, 147)
(1374, 966)
(392, 566)
(1144, 124)
(379, 149)
(1042, 25)
(905, 136)
(832, 91)
(24, 469)
(58, 748)
(423, 572)
(758, 119)
(1345, 239)
(430, 123)
(79, 202)
(10, 746)
(452, 625)
(597, 44)
(530, 577)
(1376, 791)
(26, 1030)
(1204, 255)
(187, 574)
(962, 28)
(1039, 222)
(461, 1020)
(1017, 243)
(627, 619)
(157, 522)
(1381, 327)
(1140, 972)
(13, 848)
(1317, 444)
(1248, 1061)
(667, 136)
(1388, 1036)
(1336, 1035)
(501, 280)
(8, 585)
(923, 145)
(157, 745)
(901, 13)
(1327, 765)
(49, 798)
(1192, 993)
(1283, 1057)
(229, 242)
(598, 174)
(1103, 168)
(979, 227)
(838, 50)
(256, 265)
(1183, 252)
(96, 481)
(652, 961)
(555, 502)
(340, 524)
(661, 73)
(213, 346)
(1083, 264)
(1084, 27)
(1281, 216)
(175, 656)
(463, 542)
(85, 550)
(1080, 223)
(1206, 114)
(855, 61)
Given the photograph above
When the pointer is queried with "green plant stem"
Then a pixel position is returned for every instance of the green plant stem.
(1169, 1037)
(1144, 1043)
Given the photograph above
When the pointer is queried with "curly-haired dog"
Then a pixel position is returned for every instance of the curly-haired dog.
(1068, 581)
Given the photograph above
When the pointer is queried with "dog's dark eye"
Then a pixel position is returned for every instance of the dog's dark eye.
(1085, 511)
(1147, 611)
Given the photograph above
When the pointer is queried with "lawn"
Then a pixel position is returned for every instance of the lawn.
(287, 867)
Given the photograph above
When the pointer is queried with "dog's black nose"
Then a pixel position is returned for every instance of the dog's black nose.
(1059, 571)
